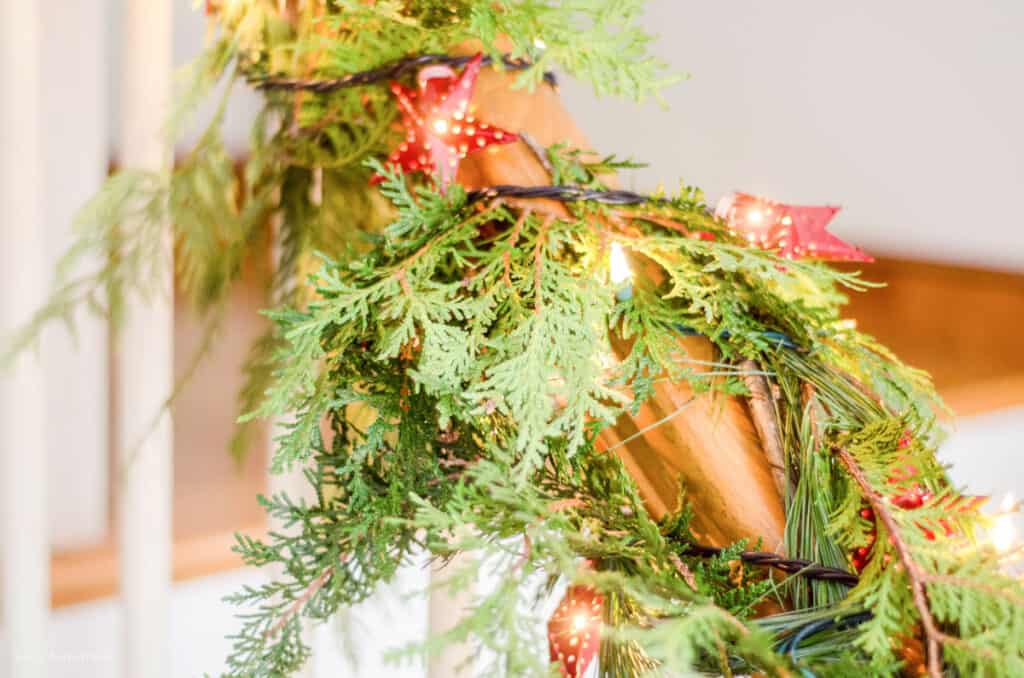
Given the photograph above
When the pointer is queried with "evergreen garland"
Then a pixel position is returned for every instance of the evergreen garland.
(463, 351)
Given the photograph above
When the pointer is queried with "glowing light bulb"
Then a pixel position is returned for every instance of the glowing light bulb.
(755, 216)
(441, 126)
(620, 272)
(1003, 534)
(579, 622)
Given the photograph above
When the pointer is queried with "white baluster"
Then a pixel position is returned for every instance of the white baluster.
(445, 610)
(293, 483)
(24, 275)
(75, 156)
(145, 363)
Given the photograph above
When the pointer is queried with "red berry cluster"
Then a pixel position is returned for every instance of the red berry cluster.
(910, 495)
(859, 555)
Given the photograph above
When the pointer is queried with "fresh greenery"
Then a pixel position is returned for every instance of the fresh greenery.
(443, 369)
(470, 343)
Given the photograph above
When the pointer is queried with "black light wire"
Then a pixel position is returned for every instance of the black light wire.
(389, 71)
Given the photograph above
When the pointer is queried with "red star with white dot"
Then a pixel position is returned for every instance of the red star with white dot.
(441, 127)
(796, 231)
(574, 630)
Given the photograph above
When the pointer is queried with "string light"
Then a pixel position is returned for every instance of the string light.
(440, 127)
(574, 630)
(619, 272)
(1003, 533)
(796, 231)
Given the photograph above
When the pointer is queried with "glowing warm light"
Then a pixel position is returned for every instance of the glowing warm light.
(755, 216)
(539, 44)
(1003, 533)
(847, 324)
(441, 126)
(620, 272)
(579, 622)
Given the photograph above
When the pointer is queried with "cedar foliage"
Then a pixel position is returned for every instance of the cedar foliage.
(460, 354)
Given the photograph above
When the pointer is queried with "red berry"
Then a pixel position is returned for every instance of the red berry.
(905, 440)
(910, 500)
(867, 514)
(702, 235)
(861, 552)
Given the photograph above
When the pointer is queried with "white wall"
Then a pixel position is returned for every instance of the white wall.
(907, 113)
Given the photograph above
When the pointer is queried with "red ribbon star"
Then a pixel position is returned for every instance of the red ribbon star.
(574, 630)
(441, 129)
(797, 231)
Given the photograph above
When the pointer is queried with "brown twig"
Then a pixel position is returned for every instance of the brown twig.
(399, 273)
(296, 607)
(527, 552)
(664, 222)
(538, 261)
(684, 571)
(933, 636)
(865, 391)
(808, 398)
(403, 281)
(762, 411)
(513, 239)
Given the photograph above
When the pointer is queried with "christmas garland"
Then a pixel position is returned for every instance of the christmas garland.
(449, 362)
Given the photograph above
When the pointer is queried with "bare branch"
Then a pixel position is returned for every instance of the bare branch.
(933, 636)
(762, 411)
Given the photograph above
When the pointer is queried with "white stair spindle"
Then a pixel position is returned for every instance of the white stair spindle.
(145, 362)
(25, 573)
(293, 483)
(446, 609)
(75, 154)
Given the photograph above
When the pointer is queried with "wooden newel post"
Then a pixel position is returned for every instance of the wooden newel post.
(709, 440)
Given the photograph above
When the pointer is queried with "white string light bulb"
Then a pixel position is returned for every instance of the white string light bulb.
(619, 272)
(1003, 533)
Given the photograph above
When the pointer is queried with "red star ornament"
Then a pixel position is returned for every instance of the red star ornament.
(574, 630)
(441, 128)
(796, 231)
